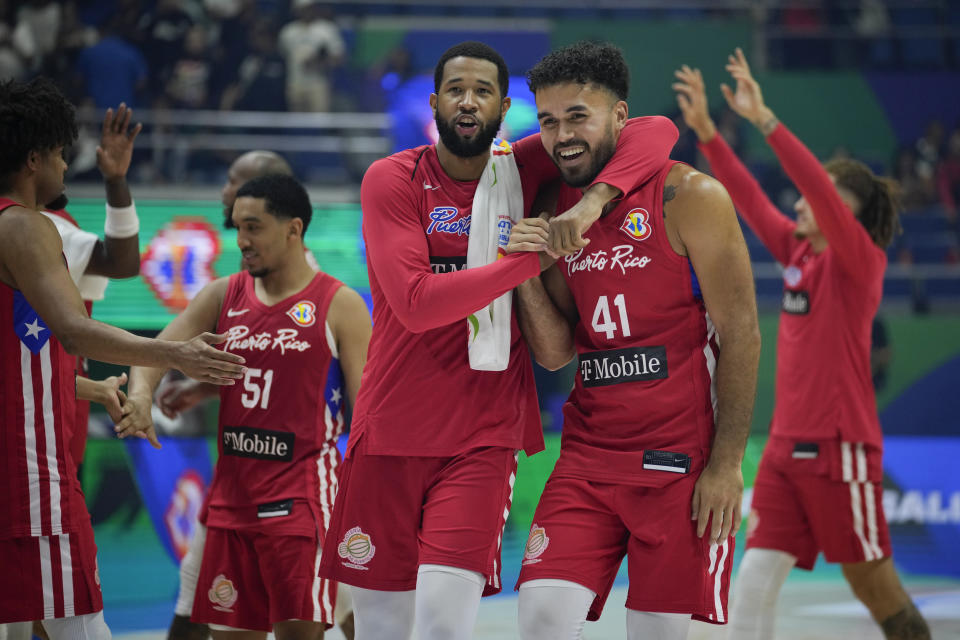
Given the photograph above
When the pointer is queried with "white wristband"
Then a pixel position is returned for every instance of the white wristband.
(121, 222)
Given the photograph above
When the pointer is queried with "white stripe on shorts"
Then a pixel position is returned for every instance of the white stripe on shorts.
(50, 433)
(847, 462)
(718, 577)
(66, 570)
(858, 519)
(30, 439)
(46, 577)
(494, 579)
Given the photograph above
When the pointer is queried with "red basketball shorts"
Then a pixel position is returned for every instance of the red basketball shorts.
(394, 513)
(581, 531)
(251, 580)
(819, 496)
(49, 577)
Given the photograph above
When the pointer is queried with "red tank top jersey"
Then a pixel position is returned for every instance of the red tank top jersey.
(81, 414)
(642, 405)
(39, 491)
(824, 387)
(418, 394)
(279, 425)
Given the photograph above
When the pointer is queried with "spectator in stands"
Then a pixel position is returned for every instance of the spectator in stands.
(188, 85)
(12, 62)
(113, 70)
(164, 32)
(948, 176)
(916, 192)
(929, 148)
(262, 77)
(312, 46)
(38, 22)
(74, 37)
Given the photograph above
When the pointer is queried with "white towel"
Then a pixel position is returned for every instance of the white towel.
(497, 206)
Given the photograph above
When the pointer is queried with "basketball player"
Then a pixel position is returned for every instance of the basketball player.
(818, 485)
(663, 318)
(304, 336)
(90, 260)
(46, 535)
(176, 396)
(426, 487)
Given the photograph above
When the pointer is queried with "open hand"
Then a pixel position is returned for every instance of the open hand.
(717, 498)
(116, 143)
(747, 101)
(178, 396)
(198, 360)
(692, 100)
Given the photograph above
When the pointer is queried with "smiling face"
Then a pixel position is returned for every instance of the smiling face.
(263, 238)
(468, 107)
(579, 127)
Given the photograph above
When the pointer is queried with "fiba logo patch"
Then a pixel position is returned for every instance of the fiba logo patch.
(537, 543)
(304, 313)
(356, 549)
(636, 224)
(178, 262)
(792, 275)
(222, 594)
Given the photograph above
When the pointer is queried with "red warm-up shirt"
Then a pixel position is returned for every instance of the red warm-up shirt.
(824, 388)
(418, 395)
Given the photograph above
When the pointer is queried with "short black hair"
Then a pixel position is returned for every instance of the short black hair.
(584, 62)
(474, 49)
(34, 116)
(284, 197)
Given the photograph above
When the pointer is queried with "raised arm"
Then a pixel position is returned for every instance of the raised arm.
(852, 245)
(399, 256)
(773, 228)
(118, 254)
(36, 268)
(702, 221)
(350, 324)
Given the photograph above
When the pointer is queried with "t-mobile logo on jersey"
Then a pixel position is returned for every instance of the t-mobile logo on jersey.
(445, 264)
(619, 257)
(263, 444)
(796, 302)
(633, 364)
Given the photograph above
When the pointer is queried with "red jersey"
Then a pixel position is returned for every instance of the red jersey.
(824, 387)
(81, 416)
(278, 427)
(418, 394)
(643, 399)
(39, 490)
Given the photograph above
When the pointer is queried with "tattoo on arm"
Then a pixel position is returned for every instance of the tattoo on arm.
(908, 624)
(669, 193)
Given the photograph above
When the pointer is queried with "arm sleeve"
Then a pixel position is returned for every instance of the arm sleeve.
(849, 240)
(399, 256)
(643, 148)
(773, 228)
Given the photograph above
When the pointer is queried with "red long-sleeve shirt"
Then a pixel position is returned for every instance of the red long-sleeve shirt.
(418, 394)
(823, 388)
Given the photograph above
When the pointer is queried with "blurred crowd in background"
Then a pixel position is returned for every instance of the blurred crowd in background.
(298, 55)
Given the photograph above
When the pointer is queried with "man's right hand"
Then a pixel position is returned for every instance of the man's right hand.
(137, 420)
(178, 396)
(532, 234)
(198, 360)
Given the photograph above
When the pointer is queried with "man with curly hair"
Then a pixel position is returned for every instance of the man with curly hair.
(656, 298)
(46, 539)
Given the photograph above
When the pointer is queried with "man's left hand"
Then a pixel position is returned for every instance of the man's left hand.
(718, 495)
